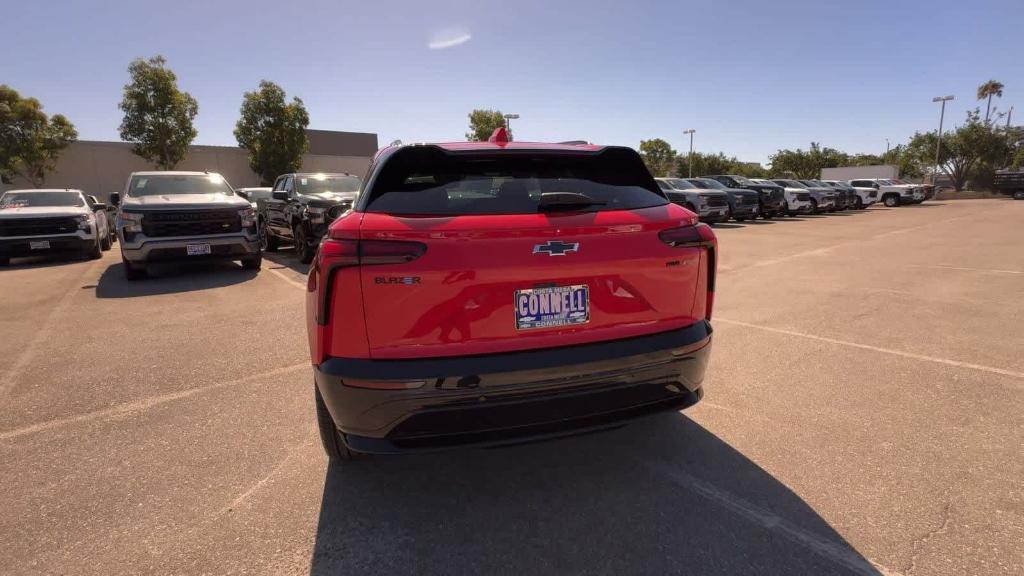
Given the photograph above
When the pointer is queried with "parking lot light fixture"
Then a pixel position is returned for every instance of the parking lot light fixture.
(938, 144)
(689, 159)
(508, 119)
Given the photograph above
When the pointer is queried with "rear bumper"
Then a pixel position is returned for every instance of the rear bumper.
(511, 397)
(67, 243)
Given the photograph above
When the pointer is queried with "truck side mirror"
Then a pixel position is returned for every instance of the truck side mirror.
(96, 207)
(279, 195)
(115, 198)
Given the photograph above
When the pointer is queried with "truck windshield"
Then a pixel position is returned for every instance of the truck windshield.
(170, 184)
(326, 184)
(33, 199)
(708, 183)
(428, 181)
(742, 180)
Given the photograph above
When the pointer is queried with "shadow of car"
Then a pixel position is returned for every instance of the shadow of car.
(172, 279)
(660, 496)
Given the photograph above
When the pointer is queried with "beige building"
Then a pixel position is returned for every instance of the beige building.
(100, 168)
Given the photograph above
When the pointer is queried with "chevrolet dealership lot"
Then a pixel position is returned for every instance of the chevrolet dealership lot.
(864, 414)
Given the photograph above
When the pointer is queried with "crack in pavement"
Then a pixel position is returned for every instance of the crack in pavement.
(919, 542)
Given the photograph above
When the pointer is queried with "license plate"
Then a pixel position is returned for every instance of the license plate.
(39, 244)
(197, 249)
(552, 306)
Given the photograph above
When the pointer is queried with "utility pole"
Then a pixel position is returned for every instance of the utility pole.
(938, 144)
(689, 160)
(508, 121)
(1008, 116)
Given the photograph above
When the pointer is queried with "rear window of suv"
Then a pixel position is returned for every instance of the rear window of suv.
(430, 181)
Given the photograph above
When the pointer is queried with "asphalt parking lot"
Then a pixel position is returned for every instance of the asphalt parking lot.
(864, 414)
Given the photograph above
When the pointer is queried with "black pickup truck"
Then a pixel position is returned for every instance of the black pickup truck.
(301, 207)
(1011, 183)
(772, 197)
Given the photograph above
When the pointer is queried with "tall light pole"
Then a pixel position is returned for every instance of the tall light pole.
(886, 147)
(1008, 116)
(508, 119)
(938, 144)
(689, 160)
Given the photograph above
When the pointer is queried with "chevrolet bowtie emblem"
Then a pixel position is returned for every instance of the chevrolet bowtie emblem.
(556, 248)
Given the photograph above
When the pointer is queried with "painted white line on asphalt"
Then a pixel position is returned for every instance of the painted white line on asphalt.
(836, 552)
(965, 269)
(144, 404)
(946, 361)
(284, 277)
(43, 333)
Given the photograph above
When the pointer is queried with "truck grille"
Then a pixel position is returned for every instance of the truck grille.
(803, 196)
(745, 199)
(38, 226)
(191, 223)
(715, 201)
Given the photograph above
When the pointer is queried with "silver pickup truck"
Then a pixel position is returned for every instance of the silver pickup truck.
(183, 216)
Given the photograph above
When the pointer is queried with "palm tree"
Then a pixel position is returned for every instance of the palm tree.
(988, 90)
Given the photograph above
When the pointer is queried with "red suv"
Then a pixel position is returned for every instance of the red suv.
(480, 293)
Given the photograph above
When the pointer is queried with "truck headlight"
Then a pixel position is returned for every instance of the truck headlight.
(315, 214)
(85, 222)
(129, 222)
(248, 216)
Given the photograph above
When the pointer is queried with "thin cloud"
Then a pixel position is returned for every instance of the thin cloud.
(449, 38)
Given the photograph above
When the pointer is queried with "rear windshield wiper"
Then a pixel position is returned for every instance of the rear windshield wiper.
(566, 201)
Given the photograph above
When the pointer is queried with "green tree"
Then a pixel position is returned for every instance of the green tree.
(657, 156)
(972, 150)
(987, 91)
(482, 124)
(30, 141)
(157, 115)
(704, 163)
(273, 131)
(796, 162)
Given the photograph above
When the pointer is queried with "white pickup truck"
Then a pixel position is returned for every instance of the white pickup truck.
(41, 221)
(892, 194)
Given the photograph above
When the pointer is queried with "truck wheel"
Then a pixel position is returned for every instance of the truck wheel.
(690, 207)
(96, 252)
(302, 247)
(268, 242)
(891, 200)
(105, 242)
(334, 446)
(133, 273)
(253, 262)
(5, 260)
(814, 206)
(859, 203)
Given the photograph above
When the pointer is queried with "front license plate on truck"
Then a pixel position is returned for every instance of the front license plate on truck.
(39, 245)
(197, 249)
(552, 306)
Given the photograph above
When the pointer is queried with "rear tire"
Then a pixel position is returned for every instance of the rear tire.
(859, 203)
(334, 446)
(105, 243)
(891, 200)
(131, 272)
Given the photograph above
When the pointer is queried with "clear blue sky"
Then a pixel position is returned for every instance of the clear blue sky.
(751, 77)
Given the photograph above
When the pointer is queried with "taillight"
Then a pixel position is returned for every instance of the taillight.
(699, 236)
(338, 252)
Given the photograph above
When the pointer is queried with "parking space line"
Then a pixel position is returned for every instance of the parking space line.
(966, 269)
(144, 404)
(946, 361)
(43, 333)
(282, 276)
(828, 549)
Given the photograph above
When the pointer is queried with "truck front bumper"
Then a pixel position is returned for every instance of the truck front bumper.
(389, 406)
(141, 250)
(30, 245)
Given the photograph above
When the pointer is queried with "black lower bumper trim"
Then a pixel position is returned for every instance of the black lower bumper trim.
(22, 246)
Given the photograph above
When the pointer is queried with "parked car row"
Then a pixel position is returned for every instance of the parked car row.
(719, 198)
(39, 221)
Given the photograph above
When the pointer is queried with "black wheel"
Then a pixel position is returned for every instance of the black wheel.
(859, 203)
(891, 200)
(105, 242)
(334, 446)
(96, 252)
(814, 206)
(268, 242)
(253, 262)
(767, 215)
(741, 218)
(133, 273)
(690, 207)
(5, 260)
(302, 247)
